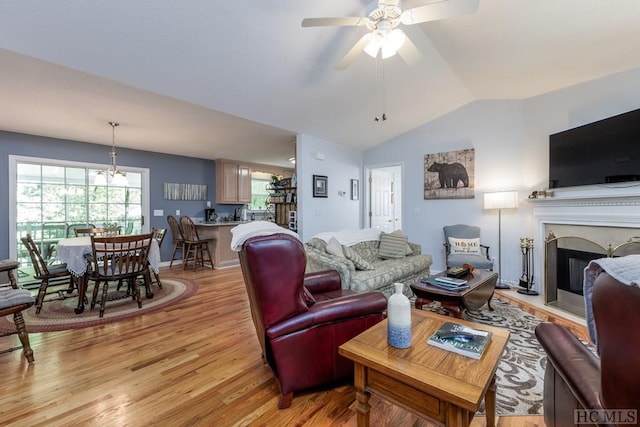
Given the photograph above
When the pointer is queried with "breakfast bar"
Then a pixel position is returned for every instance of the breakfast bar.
(220, 245)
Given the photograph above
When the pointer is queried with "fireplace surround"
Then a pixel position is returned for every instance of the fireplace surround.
(581, 224)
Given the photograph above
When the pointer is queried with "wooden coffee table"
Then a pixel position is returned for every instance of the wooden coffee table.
(482, 284)
(436, 384)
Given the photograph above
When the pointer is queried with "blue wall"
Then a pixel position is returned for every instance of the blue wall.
(162, 168)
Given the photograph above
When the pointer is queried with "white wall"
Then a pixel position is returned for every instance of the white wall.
(493, 129)
(341, 164)
(511, 140)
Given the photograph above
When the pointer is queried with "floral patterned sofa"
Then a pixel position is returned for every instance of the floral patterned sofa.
(364, 260)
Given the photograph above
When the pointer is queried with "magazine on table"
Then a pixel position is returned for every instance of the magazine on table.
(461, 339)
(447, 285)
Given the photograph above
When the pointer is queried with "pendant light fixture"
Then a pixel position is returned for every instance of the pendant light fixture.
(118, 177)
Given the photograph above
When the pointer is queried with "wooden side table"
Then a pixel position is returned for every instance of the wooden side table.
(436, 384)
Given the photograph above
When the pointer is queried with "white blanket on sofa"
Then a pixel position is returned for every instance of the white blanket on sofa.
(240, 233)
(624, 269)
(351, 236)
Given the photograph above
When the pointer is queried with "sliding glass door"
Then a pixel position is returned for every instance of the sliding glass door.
(52, 197)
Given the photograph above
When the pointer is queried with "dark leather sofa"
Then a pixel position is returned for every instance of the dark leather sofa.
(576, 378)
(301, 320)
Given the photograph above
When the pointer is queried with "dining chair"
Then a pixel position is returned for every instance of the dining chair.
(14, 300)
(94, 231)
(158, 235)
(116, 259)
(176, 236)
(71, 228)
(44, 272)
(195, 248)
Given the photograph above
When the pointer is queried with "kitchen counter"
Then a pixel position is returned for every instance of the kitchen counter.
(221, 223)
(220, 247)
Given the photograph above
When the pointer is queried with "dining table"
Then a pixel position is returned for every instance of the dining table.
(76, 253)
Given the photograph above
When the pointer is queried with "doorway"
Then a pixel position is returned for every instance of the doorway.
(384, 198)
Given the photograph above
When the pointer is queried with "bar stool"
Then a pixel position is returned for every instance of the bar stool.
(195, 248)
(176, 236)
(13, 300)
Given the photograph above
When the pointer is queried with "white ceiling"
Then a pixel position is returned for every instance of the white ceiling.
(238, 79)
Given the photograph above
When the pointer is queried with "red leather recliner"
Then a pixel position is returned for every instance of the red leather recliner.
(575, 378)
(301, 320)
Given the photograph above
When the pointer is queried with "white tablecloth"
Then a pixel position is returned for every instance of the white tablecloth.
(73, 252)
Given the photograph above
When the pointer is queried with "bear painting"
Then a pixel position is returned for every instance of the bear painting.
(450, 174)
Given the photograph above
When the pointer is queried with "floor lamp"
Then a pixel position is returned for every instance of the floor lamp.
(500, 200)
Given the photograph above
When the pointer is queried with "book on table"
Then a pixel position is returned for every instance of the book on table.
(461, 339)
(446, 285)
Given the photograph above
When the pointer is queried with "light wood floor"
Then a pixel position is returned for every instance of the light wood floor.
(195, 363)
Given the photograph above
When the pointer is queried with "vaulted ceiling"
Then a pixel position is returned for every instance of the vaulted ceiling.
(239, 79)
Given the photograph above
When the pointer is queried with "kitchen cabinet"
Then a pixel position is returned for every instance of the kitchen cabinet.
(233, 182)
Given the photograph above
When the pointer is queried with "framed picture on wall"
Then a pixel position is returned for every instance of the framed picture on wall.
(355, 189)
(320, 186)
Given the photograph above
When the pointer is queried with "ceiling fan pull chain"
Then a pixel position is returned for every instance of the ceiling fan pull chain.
(377, 118)
(378, 66)
(384, 114)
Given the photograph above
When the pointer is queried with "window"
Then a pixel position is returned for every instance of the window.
(259, 194)
(52, 197)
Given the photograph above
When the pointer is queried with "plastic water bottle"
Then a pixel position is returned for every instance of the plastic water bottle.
(399, 318)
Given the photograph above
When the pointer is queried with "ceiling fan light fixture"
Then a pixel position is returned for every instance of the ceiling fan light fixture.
(374, 44)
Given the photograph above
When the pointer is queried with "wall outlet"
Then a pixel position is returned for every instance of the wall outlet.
(178, 212)
(158, 212)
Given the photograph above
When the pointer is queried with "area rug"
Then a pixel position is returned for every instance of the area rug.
(58, 315)
(520, 374)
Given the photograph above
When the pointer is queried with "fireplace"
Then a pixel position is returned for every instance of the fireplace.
(575, 228)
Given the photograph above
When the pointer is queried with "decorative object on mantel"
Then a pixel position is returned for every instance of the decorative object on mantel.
(117, 176)
(526, 280)
(449, 175)
(541, 194)
(500, 200)
(185, 191)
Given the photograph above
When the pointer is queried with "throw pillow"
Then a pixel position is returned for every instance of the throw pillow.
(393, 245)
(464, 246)
(357, 260)
(334, 247)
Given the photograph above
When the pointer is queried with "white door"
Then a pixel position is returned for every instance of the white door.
(385, 208)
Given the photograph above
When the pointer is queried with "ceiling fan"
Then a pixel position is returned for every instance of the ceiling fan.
(384, 36)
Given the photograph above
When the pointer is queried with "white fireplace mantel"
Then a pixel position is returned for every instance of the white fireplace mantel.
(602, 207)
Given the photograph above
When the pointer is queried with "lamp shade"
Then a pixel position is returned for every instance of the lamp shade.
(501, 200)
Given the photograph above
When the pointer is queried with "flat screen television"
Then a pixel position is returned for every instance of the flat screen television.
(603, 152)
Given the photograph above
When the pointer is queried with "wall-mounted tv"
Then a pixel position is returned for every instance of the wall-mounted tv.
(603, 152)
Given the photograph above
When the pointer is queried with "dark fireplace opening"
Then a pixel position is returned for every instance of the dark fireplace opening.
(570, 269)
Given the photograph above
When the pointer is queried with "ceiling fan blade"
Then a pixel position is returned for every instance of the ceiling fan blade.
(441, 10)
(409, 52)
(356, 50)
(355, 21)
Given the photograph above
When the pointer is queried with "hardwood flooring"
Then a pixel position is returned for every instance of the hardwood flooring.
(196, 363)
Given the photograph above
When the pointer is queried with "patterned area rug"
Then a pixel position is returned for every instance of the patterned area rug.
(58, 315)
(520, 374)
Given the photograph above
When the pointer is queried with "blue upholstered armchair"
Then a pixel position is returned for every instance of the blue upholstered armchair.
(462, 246)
